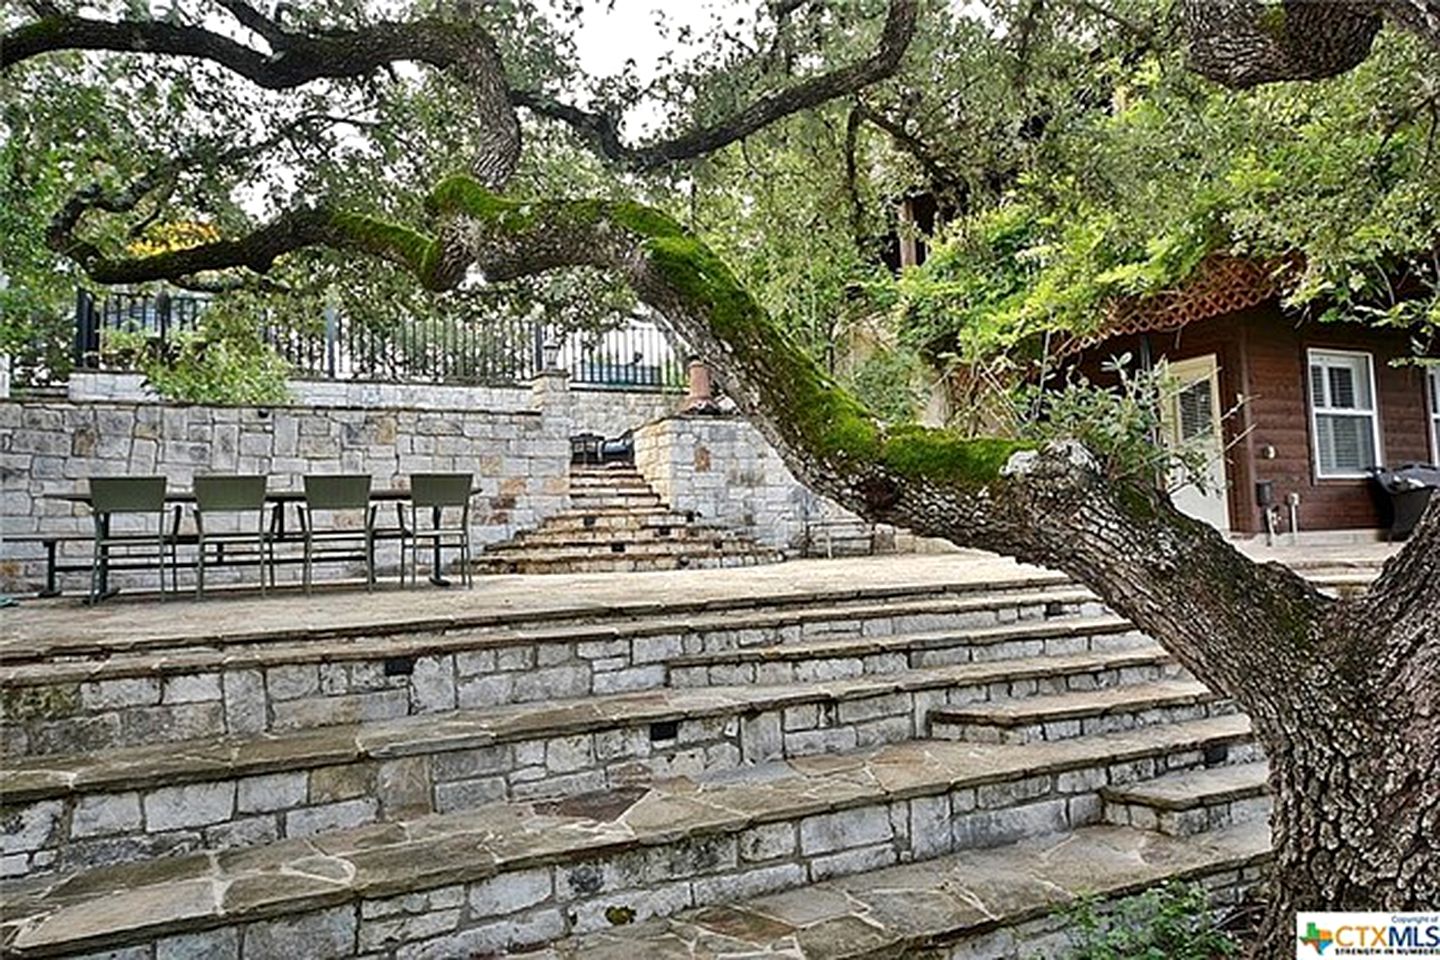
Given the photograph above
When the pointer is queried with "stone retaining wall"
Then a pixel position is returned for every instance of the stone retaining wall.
(723, 469)
(520, 460)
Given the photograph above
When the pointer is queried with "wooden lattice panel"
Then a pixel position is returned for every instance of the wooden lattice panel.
(1221, 284)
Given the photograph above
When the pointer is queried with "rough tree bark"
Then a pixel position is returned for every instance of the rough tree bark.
(1244, 43)
(1344, 694)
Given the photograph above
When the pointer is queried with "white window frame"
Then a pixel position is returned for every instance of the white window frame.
(1319, 353)
(1432, 402)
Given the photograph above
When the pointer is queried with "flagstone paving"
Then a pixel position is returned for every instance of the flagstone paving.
(65, 625)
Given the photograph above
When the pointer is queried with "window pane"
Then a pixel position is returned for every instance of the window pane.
(1342, 388)
(1197, 411)
(1317, 385)
(1347, 444)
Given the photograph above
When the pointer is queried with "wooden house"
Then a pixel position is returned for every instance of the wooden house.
(1296, 412)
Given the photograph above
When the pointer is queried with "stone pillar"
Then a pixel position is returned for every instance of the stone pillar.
(550, 397)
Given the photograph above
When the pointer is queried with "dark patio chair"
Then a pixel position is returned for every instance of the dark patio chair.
(338, 494)
(112, 497)
(438, 515)
(241, 496)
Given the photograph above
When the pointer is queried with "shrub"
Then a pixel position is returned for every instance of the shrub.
(1172, 922)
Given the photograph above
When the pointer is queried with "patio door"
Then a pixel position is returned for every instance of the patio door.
(1191, 416)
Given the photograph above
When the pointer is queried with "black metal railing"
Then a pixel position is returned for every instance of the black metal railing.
(637, 354)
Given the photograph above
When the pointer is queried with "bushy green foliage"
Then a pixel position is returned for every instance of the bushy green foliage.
(1341, 175)
(223, 361)
(1172, 922)
(886, 382)
(1121, 425)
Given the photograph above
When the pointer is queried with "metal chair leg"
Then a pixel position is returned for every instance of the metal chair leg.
(95, 572)
(369, 561)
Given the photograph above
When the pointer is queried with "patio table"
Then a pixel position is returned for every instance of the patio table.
(280, 498)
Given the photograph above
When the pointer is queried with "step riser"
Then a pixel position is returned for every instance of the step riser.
(602, 501)
(576, 530)
(1052, 730)
(451, 671)
(601, 547)
(596, 889)
(234, 810)
(628, 523)
(1188, 823)
(620, 563)
(657, 537)
(963, 651)
(617, 479)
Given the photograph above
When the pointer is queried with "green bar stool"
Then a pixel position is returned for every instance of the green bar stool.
(338, 493)
(241, 495)
(431, 496)
(111, 497)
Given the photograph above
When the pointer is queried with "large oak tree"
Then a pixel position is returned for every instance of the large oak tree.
(1344, 693)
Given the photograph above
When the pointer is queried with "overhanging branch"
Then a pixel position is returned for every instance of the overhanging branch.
(602, 130)
(298, 58)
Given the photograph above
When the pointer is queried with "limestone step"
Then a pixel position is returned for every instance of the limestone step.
(183, 627)
(604, 478)
(501, 875)
(698, 542)
(996, 904)
(1079, 713)
(647, 536)
(586, 560)
(849, 656)
(590, 494)
(598, 497)
(125, 804)
(625, 523)
(1192, 801)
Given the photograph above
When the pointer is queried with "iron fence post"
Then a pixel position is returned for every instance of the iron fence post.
(87, 335)
(332, 323)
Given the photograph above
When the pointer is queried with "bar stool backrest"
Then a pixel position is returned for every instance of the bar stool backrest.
(441, 489)
(345, 491)
(233, 492)
(127, 494)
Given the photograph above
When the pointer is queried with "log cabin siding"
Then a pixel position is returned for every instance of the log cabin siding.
(1263, 355)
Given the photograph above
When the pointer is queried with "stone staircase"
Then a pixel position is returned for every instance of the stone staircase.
(616, 522)
(846, 773)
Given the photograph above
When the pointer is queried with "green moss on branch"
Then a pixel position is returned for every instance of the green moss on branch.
(393, 241)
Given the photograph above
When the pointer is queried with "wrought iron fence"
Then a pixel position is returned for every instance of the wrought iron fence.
(636, 355)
